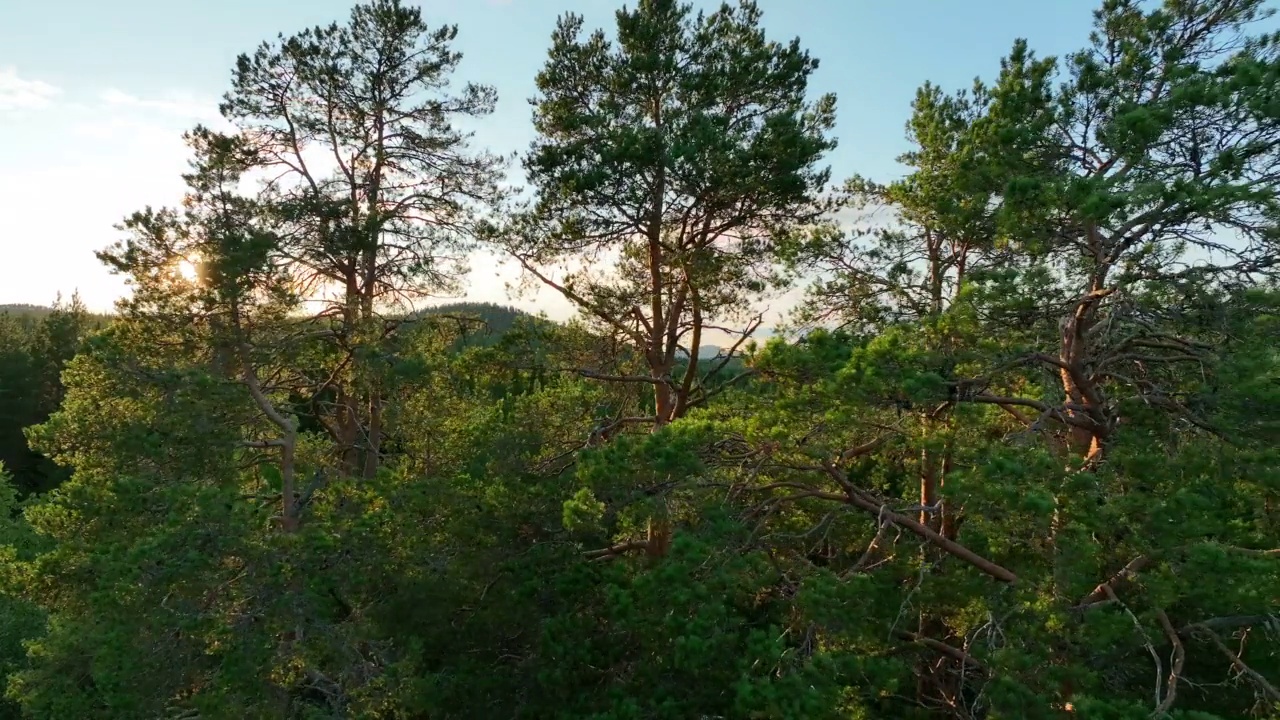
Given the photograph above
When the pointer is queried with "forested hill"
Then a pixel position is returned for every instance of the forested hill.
(1019, 459)
(25, 309)
(492, 319)
(497, 318)
(31, 314)
(484, 323)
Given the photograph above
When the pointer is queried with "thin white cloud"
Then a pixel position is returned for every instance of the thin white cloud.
(17, 93)
(180, 105)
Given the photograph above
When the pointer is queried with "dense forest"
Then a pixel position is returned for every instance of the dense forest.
(1015, 455)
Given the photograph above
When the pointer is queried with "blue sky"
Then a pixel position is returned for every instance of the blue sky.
(95, 95)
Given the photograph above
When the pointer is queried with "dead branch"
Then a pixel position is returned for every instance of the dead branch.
(1044, 408)
(1126, 574)
(950, 651)
(1230, 622)
(882, 511)
(708, 394)
(286, 444)
(264, 444)
(582, 302)
(951, 547)
(1265, 687)
(871, 548)
(616, 550)
(1106, 588)
(732, 352)
(863, 449)
(1273, 553)
(593, 375)
(1175, 671)
(1146, 640)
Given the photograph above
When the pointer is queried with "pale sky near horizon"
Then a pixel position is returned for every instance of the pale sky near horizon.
(94, 97)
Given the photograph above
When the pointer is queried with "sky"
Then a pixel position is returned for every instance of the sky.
(94, 97)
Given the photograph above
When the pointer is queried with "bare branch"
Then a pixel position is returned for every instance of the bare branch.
(615, 550)
(950, 651)
(1175, 671)
(1146, 641)
(880, 510)
(1230, 622)
(1258, 680)
(1123, 575)
(874, 545)
(263, 444)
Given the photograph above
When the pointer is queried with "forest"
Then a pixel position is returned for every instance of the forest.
(1015, 454)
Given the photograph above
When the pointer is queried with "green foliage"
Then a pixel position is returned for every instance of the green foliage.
(34, 348)
(20, 620)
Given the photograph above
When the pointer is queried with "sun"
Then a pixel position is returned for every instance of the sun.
(188, 269)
